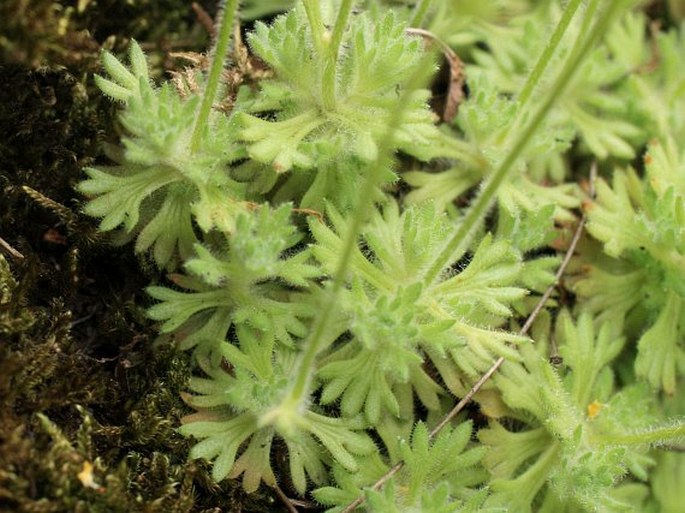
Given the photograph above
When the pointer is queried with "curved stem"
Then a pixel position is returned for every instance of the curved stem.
(218, 57)
(590, 11)
(462, 237)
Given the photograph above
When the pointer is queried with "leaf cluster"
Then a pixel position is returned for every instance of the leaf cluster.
(571, 448)
(341, 341)
(639, 223)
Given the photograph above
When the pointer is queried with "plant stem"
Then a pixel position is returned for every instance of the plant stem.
(312, 344)
(218, 57)
(340, 26)
(331, 47)
(495, 366)
(462, 237)
(313, 11)
(590, 11)
(419, 12)
(547, 53)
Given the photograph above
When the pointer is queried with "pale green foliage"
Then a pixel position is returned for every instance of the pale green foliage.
(639, 222)
(316, 340)
(667, 480)
(485, 119)
(239, 283)
(159, 188)
(600, 108)
(607, 119)
(231, 410)
(364, 372)
(326, 147)
(655, 87)
(400, 323)
(462, 24)
(572, 447)
(428, 482)
(669, 473)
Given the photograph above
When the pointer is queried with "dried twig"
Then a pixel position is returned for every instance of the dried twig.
(10, 250)
(204, 18)
(498, 363)
(291, 503)
(309, 212)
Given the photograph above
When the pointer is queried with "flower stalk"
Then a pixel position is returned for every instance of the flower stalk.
(219, 53)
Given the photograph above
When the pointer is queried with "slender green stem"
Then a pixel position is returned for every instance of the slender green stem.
(420, 12)
(462, 237)
(218, 58)
(328, 82)
(591, 9)
(340, 26)
(313, 11)
(549, 50)
(373, 178)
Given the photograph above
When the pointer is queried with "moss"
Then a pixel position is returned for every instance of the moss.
(66, 33)
(84, 431)
(88, 408)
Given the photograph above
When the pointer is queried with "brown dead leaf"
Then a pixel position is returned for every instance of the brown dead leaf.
(457, 76)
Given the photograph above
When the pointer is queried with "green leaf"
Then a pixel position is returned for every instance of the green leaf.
(221, 441)
(304, 132)
(120, 197)
(586, 351)
(160, 187)
(661, 357)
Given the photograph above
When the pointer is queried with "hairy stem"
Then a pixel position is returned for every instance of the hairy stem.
(373, 178)
(462, 238)
(313, 11)
(331, 47)
(340, 26)
(590, 11)
(543, 61)
(218, 57)
(420, 12)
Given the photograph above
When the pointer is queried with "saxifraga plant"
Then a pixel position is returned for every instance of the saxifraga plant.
(339, 318)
